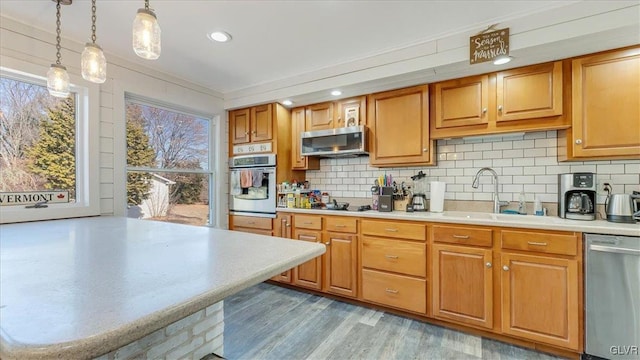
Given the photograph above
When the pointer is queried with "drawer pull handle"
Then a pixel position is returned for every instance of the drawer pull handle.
(340, 225)
(461, 236)
(307, 223)
(391, 256)
(328, 243)
(391, 291)
(391, 230)
(251, 223)
(537, 243)
(505, 268)
(488, 265)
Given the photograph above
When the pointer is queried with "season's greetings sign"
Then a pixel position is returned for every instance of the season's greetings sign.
(488, 46)
(32, 197)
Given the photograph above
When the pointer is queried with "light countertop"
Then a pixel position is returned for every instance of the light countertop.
(488, 219)
(80, 288)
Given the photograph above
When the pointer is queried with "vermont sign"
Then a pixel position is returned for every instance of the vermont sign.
(488, 46)
(32, 197)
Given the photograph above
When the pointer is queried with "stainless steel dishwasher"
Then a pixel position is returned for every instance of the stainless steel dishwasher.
(612, 296)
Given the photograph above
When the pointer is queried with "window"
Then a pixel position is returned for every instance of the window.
(169, 172)
(44, 150)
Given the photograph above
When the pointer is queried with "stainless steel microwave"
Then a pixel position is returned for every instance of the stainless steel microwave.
(345, 141)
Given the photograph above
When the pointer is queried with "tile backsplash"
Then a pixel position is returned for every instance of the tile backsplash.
(526, 162)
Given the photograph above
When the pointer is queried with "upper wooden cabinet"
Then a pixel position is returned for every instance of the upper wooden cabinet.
(251, 125)
(299, 162)
(399, 124)
(462, 102)
(336, 114)
(605, 106)
(524, 99)
(530, 92)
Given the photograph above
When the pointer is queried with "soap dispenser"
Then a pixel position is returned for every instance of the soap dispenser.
(522, 205)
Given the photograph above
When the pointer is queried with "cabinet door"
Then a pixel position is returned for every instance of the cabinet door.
(341, 260)
(282, 228)
(463, 285)
(261, 123)
(462, 102)
(540, 299)
(309, 274)
(297, 126)
(239, 126)
(530, 92)
(400, 123)
(319, 117)
(606, 105)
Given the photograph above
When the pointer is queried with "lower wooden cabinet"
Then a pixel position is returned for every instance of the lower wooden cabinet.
(251, 224)
(341, 264)
(398, 291)
(309, 274)
(282, 228)
(540, 299)
(463, 284)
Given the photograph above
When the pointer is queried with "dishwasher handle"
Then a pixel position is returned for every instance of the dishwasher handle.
(613, 249)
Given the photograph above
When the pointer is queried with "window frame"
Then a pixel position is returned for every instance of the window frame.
(211, 159)
(87, 150)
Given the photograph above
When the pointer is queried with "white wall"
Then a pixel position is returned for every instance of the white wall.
(526, 163)
(22, 42)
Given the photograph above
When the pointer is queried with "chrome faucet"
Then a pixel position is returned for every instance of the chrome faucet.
(496, 201)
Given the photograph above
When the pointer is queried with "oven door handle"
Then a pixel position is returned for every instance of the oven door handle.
(617, 250)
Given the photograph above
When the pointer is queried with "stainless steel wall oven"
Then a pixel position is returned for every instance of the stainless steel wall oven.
(252, 185)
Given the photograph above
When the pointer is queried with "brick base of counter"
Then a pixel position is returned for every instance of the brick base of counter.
(193, 337)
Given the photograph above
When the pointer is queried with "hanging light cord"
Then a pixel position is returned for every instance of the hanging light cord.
(146, 4)
(58, 33)
(93, 21)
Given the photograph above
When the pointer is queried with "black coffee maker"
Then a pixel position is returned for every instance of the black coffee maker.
(577, 196)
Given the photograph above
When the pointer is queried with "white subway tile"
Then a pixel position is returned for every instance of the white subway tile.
(463, 164)
(493, 154)
(463, 196)
(366, 174)
(610, 169)
(442, 156)
(514, 170)
(463, 148)
(523, 180)
(482, 147)
(336, 181)
(483, 196)
(437, 172)
(535, 135)
(545, 143)
(632, 168)
(454, 188)
(481, 163)
(512, 188)
(546, 179)
(347, 194)
(534, 153)
(348, 181)
(337, 193)
(446, 149)
(631, 179)
(534, 189)
(526, 161)
(535, 170)
(455, 172)
(348, 168)
(583, 168)
(464, 180)
(503, 145)
(502, 163)
(550, 198)
(558, 169)
(630, 188)
(524, 144)
(551, 189)
(552, 152)
(515, 153)
(446, 164)
(473, 155)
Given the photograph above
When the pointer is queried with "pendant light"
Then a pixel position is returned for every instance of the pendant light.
(57, 77)
(94, 64)
(146, 33)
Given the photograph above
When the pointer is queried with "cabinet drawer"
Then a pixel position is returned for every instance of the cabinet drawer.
(395, 290)
(307, 222)
(341, 224)
(462, 235)
(563, 244)
(252, 222)
(394, 229)
(394, 255)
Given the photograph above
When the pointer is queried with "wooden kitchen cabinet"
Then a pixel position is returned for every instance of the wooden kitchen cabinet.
(251, 224)
(399, 124)
(336, 114)
(341, 258)
(462, 102)
(394, 267)
(605, 107)
(540, 299)
(299, 162)
(463, 284)
(282, 228)
(541, 276)
(309, 274)
(530, 98)
(251, 125)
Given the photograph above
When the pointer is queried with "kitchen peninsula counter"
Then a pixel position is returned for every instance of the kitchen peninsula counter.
(80, 288)
(488, 219)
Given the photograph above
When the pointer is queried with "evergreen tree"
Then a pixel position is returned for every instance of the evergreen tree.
(53, 156)
(139, 153)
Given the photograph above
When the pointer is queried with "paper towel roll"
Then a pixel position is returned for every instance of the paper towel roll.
(437, 196)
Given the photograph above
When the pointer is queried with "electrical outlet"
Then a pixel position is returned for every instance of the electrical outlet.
(600, 186)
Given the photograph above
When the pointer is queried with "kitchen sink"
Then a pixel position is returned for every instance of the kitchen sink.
(500, 217)
(469, 215)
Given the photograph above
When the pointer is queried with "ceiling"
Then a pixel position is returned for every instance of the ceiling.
(277, 44)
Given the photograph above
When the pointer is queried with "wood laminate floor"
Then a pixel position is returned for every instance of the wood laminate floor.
(271, 322)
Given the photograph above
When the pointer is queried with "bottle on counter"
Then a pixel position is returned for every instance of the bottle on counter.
(537, 207)
(522, 204)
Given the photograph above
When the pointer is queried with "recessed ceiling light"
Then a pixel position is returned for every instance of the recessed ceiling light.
(287, 103)
(336, 93)
(501, 60)
(219, 36)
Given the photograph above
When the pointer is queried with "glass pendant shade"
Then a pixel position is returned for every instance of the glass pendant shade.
(58, 81)
(94, 64)
(146, 35)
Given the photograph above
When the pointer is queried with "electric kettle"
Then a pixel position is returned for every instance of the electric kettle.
(621, 208)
